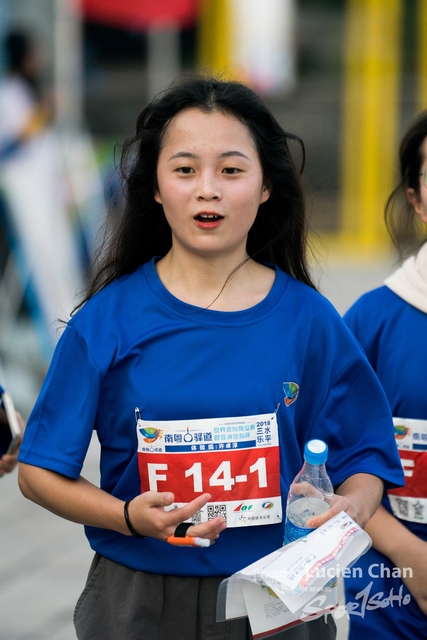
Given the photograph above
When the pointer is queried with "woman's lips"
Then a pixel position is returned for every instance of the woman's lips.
(208, 220)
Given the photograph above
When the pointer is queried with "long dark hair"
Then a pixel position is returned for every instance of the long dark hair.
(404, 226)
(279, 233)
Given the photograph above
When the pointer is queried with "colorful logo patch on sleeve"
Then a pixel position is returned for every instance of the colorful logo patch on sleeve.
(291, 390)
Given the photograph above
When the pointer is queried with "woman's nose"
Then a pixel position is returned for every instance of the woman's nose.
(208, 188)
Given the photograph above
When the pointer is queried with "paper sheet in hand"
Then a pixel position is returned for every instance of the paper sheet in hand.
(296, 582)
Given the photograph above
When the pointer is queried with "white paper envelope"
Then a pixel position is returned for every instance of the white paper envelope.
(296, 582)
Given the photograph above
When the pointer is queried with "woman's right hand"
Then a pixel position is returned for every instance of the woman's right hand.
(148, 516)
(81, 501)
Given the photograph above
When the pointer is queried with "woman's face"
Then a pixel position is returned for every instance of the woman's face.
(210, 183)
(419, 200)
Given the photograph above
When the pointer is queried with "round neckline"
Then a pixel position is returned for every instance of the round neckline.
(199, 315)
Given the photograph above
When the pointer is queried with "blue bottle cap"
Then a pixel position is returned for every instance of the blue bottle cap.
(316, 452)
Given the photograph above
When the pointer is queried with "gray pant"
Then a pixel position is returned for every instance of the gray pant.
(119, 603)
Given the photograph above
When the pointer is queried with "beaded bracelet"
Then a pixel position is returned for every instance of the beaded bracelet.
(128, 522)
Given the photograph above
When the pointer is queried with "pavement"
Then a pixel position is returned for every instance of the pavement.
(44, 559)
(43, 565)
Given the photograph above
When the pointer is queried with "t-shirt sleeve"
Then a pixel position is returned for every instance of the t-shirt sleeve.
(350, 411)
(60, 427)
(356, 423)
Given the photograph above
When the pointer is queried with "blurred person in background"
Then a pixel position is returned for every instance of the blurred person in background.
(38, 203)
(391, 325)
(201, 311)
(8, 461)
(23, 112)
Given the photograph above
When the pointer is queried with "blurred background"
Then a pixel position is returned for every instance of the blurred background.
(347, 76)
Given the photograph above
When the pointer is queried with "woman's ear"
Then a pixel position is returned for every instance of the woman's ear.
(157, 197)
(265, 193)
(417, 203)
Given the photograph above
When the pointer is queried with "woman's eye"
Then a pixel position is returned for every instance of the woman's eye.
(185, 170)
(231, 171)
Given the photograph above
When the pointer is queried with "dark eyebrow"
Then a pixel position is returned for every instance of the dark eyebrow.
(226, 154)
(229, 154)
(184, 154)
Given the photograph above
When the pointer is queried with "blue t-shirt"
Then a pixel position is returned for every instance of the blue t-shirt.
(393, 336)
(136, 345)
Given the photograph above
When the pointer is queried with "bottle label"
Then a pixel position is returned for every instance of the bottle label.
(293, 532)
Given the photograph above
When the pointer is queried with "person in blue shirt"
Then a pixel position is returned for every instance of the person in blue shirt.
(391, 324)
(204, 358)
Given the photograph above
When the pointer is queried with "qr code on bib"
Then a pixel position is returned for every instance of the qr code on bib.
(196, 518)
(215, 510)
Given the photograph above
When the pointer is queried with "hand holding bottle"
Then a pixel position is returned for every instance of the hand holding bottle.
(310, 494)
(312, 501)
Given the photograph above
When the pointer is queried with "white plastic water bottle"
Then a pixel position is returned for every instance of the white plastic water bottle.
(309, 491)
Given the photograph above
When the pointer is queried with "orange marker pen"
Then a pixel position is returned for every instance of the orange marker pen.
(189, 541)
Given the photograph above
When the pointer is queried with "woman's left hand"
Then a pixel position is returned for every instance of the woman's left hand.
(359, 496)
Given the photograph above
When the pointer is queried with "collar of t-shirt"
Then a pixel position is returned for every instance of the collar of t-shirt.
(409, 282)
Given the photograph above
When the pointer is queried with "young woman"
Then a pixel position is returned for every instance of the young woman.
(391, 324)
(205, 359)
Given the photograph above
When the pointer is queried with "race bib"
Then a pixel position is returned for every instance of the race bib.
(410, 502)
(236, 460)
